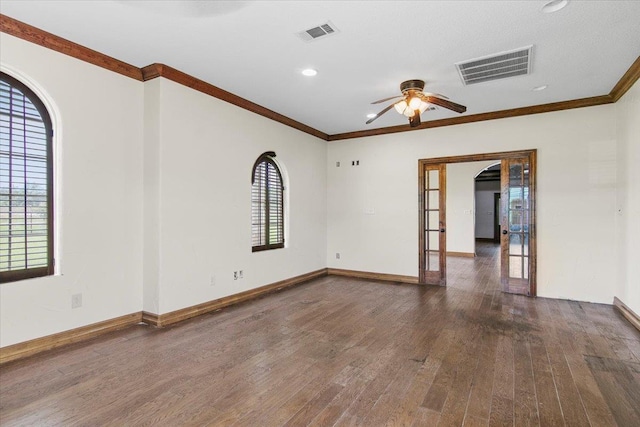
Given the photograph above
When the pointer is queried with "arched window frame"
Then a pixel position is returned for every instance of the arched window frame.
(267, 204)
(9, 271)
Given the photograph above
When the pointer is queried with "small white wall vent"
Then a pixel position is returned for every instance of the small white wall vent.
(326, 29)
(499, 66)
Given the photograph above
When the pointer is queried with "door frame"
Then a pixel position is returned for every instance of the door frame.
(531, 155)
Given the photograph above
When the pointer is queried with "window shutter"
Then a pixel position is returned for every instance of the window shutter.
(25, 184)
(258, 203)
(275, 208)
(267, 205)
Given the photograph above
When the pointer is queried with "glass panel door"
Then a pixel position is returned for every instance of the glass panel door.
(516, 224)
(432, 224)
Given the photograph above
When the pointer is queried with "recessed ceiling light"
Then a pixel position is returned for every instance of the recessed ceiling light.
(539, 88)
(371, 115)
(554, 6)
(309, 72)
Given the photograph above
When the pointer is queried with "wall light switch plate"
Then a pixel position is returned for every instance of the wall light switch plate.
(76, 300)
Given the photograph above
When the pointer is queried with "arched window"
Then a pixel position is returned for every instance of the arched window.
(26, 183)
(267, 204)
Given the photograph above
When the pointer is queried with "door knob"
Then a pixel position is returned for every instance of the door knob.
(442, 230)
(504, 231)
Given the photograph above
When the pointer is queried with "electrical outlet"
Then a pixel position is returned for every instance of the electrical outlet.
(235, 275)
(337, 164)
(76, 300)
(337, 255)
(212, 282)
(240, 274)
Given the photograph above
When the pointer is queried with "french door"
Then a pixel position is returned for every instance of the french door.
(517, 224)
(517, 219)
(433, 200)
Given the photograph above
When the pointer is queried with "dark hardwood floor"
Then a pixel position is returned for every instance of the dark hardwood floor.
(340, 351)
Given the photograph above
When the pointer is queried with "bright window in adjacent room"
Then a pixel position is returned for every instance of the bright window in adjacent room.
(26, 183)
(267, 204)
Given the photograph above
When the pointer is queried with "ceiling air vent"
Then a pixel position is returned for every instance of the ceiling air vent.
(317, 32)
(501, 66)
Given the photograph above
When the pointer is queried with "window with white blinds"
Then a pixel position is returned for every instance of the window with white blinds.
(267, 204)
(26, 206)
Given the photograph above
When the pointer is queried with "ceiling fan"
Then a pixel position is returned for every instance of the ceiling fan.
(415, 102)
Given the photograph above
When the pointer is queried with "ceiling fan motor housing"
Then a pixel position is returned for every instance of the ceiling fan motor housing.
(411, 85)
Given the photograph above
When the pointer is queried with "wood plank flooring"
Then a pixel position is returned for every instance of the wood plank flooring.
(347, 352)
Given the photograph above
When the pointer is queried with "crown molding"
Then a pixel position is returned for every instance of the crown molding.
(35, 35)
(502, 114)
(161, 70)
(624, 84)
(626, 81)
(42, 38)
(50, 41)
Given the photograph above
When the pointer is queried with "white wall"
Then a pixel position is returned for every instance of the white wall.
(576, 195)
(153, 197)
(628, 203)
(151, 200)
(207, 151)
(97, 118)
(485, 208)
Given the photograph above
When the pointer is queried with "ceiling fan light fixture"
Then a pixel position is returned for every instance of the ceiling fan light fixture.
(408, 112)
(414, 103)
(401, 106)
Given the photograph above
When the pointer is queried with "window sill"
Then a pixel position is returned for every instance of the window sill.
(267, 247)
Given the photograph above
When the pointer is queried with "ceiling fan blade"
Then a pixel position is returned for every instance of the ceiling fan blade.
(414, 121)
(446, 104)
(387, 99)
(439, 95)
(381, 113)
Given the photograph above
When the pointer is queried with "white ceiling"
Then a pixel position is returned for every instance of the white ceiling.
(250, 48)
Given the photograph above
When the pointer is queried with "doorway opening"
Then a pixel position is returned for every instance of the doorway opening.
(487, 192)
(480, 274)
(511, 213)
